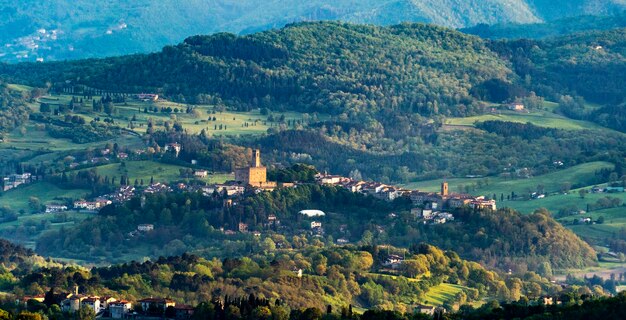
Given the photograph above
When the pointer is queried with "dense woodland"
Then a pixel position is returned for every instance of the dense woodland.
(324, 67)
(452, 154)
(13, 111)
(591, 65)
(334, 278)
(190, 222)
(387, 88)
(576, 306)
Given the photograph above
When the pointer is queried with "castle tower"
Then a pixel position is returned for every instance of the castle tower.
(256, 158)
(444, 189)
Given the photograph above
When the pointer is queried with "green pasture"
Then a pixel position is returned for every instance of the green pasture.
(36, 138)
(546, 119)
(438, 295)
(17, 198)
(552, 182)
(558, 201)
(614, 220)
(150, 169)
(19, 87)
(233, 123)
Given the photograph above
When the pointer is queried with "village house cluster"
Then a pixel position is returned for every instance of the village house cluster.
(110, 307)
(429, 206)
(14, 180)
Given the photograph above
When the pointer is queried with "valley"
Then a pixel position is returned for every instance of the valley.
(324, 165)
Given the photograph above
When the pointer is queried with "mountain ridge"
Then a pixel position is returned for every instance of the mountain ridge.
(32, 30)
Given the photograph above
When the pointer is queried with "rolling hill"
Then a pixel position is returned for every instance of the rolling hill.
(327, 67)
(560, 27)
(79, 29)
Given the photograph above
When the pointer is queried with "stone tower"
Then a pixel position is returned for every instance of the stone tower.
(444, 189)
(256, 158)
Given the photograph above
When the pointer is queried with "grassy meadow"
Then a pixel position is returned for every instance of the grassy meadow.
(231, 122)
(145, 170)
(543, 118)
(552, 182)
(614, 220)
(17, 198)
(442, 293)
(540, 118)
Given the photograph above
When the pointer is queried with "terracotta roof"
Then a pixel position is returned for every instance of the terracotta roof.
(156, 300)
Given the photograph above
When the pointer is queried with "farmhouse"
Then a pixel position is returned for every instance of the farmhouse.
(312, 213)
(156, 304)
(157, 188)
(91, 205)
(330, 179)
(52, 208)
(430, 310)
(145, 227)
(147, 97)
(393, 261)
(229, 189)
(184, 311)
(482, 203)
(15, 180)
(173, 148)
(119, 309)
(200, 173)
(517, 106)
(92, 303)
(71, 304)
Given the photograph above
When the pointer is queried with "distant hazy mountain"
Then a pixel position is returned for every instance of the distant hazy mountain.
(64, 29)
(560, 27)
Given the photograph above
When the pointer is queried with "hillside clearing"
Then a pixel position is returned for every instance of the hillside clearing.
(546, 119)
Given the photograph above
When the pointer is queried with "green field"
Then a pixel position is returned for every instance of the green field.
(31, 140)
(36, 138)
(556, 202)
(614, 220)
(19, 87)
(441, 294)
(17, 199)
(145, 170)
(547, 119)
(552, 182)
(233, 123)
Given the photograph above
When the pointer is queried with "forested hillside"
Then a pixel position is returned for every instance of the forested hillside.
(13, 111)
(387, 89)
(81, 29)
(314, 67)
(190, 222)
(587, 64)
(336, 276)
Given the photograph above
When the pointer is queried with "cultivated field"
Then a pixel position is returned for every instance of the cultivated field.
(543, 118)
(17, 199)
(226, 123)
(442, 293)
(145, 170)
